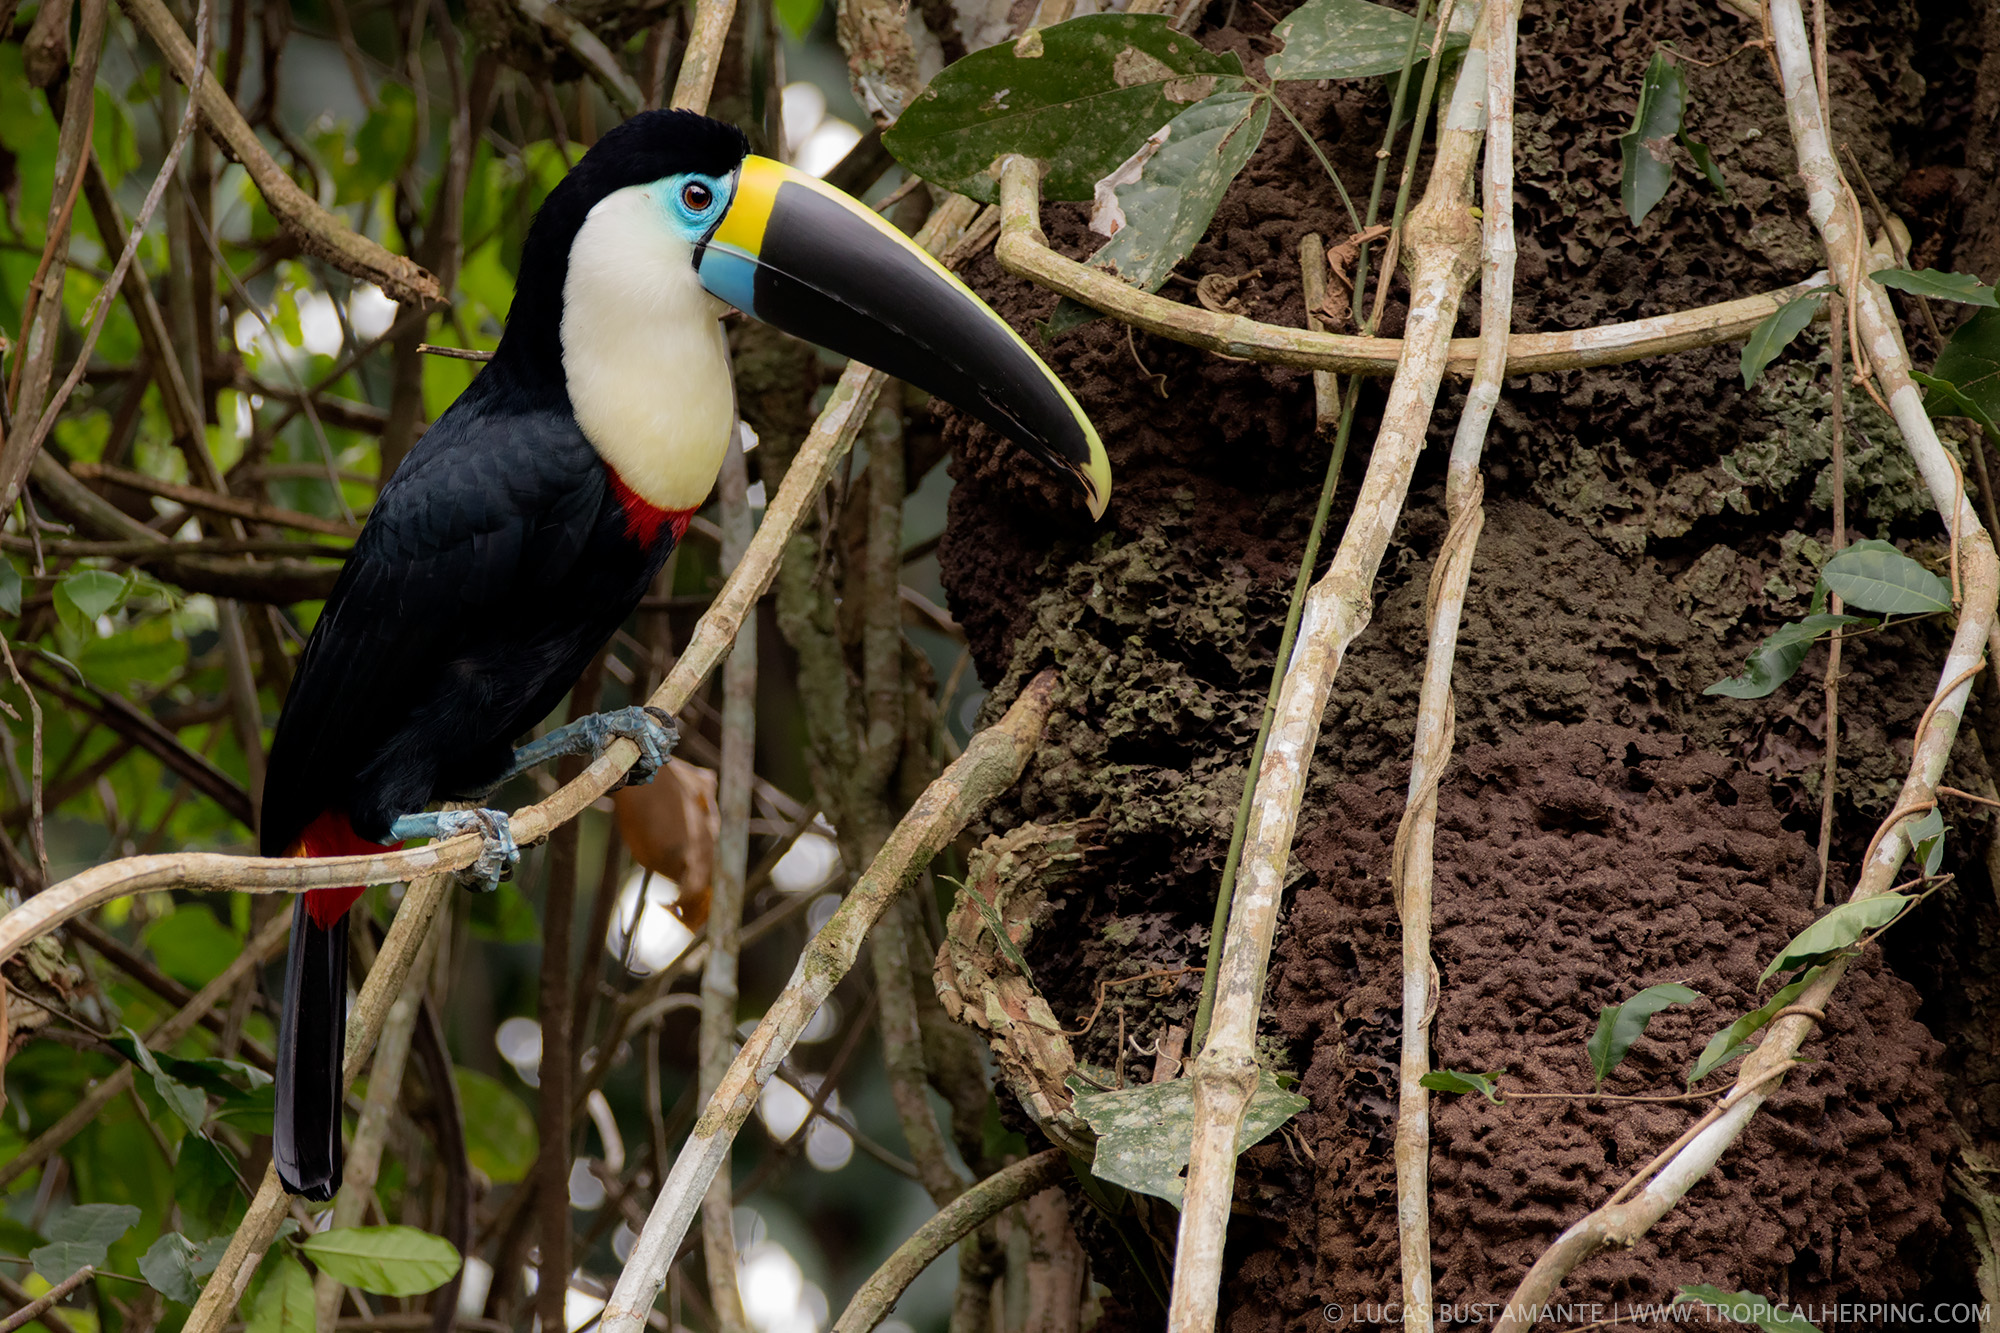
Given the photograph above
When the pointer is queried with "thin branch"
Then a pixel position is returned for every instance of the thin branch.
(319, 232)
(703, 56)
(1411, 873)
(386, 981)
(48, 1300)
(210, 502)
(1444, 245)
(1834, 210)
(991, 763)
(965, 1215)
(590, 52)
(1023, 250)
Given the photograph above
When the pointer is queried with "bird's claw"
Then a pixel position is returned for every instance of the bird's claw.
(651, 729)
(497, 853)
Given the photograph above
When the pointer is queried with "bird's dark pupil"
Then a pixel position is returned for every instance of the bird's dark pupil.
(696, 197)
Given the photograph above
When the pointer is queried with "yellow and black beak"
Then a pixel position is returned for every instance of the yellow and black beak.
(801, 256)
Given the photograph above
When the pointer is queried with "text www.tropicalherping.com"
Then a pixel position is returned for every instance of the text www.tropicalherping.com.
(1593, 1314)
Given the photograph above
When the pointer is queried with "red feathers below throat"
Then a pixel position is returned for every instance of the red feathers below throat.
(643, 518)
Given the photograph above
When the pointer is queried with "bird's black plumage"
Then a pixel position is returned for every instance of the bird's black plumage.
(494, 564)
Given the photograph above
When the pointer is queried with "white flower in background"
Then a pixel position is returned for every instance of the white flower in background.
(814, 141)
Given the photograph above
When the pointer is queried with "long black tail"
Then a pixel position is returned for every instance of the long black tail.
(312, 1038)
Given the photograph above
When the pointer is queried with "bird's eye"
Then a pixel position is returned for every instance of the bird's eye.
(697, 197)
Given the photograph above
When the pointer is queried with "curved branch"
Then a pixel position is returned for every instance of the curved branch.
(951, 1224)
(1024, 250)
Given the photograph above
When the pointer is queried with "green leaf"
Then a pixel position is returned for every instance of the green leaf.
(1961, 287)
(1144, 1133)
(1778, 658)
(1743, 1308)
(187, 1103)
(207, 1188)
(1655, 122)
(192, 946)
(10, 587)
(1705, 160)
(500, 1134)
(250, 1111)
(85, 594)
(1346, 39)
(799, 15)
(285, 1303)
(1875, 576)
(174, 1265)
(1969, 368)
(1081, 96)
(1168, 209)
(1457, 1080)
(1620, 1025)
(81, 1237)
(1927, 840)
(1842, 926)
(1774, 334)
(1734, 1040)
(381, 144)
(387, 1261)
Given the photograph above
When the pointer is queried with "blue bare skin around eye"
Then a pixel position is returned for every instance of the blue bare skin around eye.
(692, 224)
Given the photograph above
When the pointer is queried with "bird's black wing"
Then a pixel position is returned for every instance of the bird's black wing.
(481, 527)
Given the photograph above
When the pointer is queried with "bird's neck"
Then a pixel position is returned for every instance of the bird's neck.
(644, 520)
(644, 357)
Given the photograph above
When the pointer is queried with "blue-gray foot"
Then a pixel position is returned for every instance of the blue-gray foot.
(497, 852)
(651, 729)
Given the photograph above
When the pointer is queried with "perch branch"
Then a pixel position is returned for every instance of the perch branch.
(951, 1224)
(1832, 207)
(993, 759)
(1464, 491)
(1444, 245)
(1024, 250)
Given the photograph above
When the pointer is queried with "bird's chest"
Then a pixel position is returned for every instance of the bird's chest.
(657, 404)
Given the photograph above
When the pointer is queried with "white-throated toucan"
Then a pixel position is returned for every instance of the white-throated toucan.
(525, 525)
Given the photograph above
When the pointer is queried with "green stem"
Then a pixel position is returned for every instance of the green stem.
(1271, 92)
(1226, 896)
(1220, 926)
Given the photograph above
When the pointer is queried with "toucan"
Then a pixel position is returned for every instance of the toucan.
(522, 529)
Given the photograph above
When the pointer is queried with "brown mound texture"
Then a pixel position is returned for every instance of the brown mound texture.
(1646, 525)
(1576, 865)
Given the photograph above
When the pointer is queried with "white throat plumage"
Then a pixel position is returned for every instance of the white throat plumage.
(644, 354)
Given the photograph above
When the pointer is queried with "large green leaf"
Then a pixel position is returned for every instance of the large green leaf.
(1620, 1025)
(285, 1302)
(388, 1261)
(1961, 287)
(190, 1104)
(175, 1265)
(1656, 122)
(1744, 1307)
(1778, 658)
(1458, 1081)
(1774, 333)
(1144, 1133)
(1965, 382)
(81, 1236)
(1167, 210)
(1733, 1040)
(192, 946)
(86, 594)
(1841, 928)
(1080, 96)
(1875, 576)
(1346, 39)
(500, 1135)
(1926, 837)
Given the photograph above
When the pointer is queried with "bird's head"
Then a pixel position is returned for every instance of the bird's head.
(795, 253)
